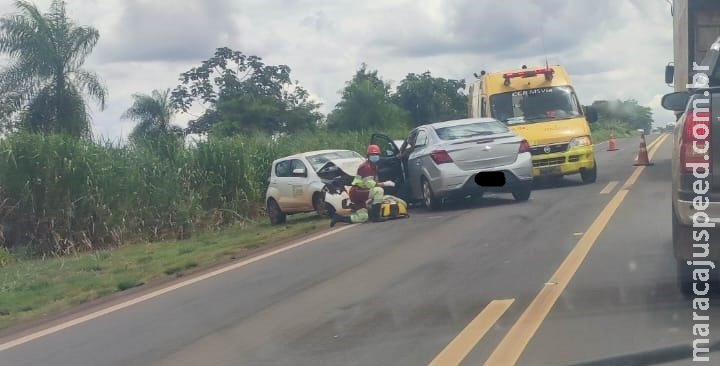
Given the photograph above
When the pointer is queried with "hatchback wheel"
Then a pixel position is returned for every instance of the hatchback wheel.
(275, 213)
(318, 202)
(429, 199)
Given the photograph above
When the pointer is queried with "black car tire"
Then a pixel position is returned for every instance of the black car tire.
(275, 213)
(522, 193)
(318, 202)
(685, 280)
(431, 202)
(589, 175)
(681, 236)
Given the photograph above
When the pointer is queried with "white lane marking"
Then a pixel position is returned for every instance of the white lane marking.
(609, 187)
(156, 293)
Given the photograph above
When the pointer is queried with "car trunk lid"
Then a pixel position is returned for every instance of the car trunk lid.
(484, 152)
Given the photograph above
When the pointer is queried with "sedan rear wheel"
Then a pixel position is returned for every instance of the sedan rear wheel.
(522, 193)
(429, 199)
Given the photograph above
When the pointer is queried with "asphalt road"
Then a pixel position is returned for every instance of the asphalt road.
(488, 280)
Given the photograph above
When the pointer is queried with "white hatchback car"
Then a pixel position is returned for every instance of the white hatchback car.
(295, 186)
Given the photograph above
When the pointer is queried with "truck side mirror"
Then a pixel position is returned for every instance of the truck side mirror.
(675, 102)
(591, 114)
(669, 74)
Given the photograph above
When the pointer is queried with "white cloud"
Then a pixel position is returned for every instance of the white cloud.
(613, 49)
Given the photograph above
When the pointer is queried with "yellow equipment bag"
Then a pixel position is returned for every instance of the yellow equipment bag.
(393, 208)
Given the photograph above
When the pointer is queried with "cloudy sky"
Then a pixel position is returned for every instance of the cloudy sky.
(612, 48)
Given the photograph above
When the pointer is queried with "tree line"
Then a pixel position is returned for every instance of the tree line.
(46, 89)
(62, 190)
(625, 112)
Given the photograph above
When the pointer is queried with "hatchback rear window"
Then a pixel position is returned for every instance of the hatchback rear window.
(470, 130)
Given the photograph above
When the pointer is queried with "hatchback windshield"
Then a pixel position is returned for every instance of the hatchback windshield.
(470, 130)
(317, 161)
(535, 105)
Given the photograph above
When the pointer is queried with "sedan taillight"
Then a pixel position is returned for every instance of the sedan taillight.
(441, 157)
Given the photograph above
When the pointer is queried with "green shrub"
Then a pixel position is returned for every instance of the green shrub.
(602, 129)
(5, 257)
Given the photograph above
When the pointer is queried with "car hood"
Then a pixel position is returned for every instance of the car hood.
(339, 167)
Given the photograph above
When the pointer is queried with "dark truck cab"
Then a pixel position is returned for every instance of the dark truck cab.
(696, 168)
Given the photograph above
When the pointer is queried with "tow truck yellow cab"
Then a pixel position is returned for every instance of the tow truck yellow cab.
(540, 104)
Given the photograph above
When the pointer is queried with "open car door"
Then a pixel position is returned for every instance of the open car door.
(390, 165)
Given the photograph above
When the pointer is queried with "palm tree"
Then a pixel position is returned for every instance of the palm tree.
(44, 85)
(154, 114)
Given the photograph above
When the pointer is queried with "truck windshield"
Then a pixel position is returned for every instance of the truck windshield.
(535, 105)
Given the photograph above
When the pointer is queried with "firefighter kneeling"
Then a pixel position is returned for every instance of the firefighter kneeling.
(365, 190)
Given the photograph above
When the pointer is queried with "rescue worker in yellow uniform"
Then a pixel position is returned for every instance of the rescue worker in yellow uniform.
(365, 189)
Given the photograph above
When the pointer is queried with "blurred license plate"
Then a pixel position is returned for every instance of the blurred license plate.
(552, 170)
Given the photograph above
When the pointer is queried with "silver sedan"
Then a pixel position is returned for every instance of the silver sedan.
(455, 159)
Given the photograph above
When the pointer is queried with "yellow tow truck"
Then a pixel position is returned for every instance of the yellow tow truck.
(540, 104)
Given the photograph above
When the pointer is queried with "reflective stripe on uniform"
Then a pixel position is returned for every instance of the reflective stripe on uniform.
(359, 216)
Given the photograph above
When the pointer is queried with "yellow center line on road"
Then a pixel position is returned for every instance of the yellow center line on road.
(513, 344)
(659, 140)
(459, 347)
(609, 187)
(653, 149)
(656, 141)
(633, 177)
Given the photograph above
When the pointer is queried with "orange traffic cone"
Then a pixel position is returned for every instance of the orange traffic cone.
(642, 158)
(612, 143)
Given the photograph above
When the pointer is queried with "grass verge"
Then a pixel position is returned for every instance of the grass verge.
(32, 288)
(601, 135)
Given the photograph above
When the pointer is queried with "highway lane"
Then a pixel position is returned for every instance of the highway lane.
(399, 292)
(624, 300)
